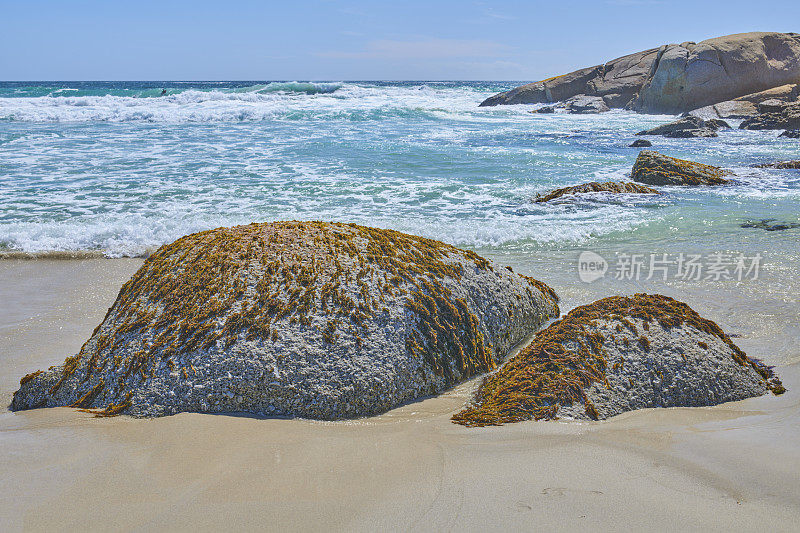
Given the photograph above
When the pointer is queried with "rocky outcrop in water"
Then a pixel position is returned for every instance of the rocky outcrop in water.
(676, 78)
(790, 134)
(688, 127)
(615, 355)
(617, 81)
(654, 168)
(781, 164)
(640, 143)
(309, 319)
(615, 187)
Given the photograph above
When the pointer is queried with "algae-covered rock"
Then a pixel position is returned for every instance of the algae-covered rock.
(654, 168)
(615, 187)
(615, 355)
(310, 319)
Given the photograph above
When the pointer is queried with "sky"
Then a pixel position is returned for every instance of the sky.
(353, 40)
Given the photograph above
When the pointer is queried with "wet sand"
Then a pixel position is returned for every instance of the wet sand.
(734, 466)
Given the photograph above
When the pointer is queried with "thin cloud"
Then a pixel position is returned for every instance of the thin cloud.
(422, 49)
(491, 13)
(634, 2)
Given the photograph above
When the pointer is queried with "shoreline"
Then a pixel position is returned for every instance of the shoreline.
(732, 465)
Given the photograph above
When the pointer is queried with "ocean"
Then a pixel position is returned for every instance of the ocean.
(118, 169)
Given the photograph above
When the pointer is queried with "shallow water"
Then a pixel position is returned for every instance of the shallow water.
(114, 167)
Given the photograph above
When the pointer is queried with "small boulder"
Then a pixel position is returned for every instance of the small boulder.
(654, 168)
(619, 354)
(616, 187)
(692, 134)
(582, 104)
(728, 109)
(717, 124)
(640, 143)
(311, 319)
(545, 109)
(686, 127)
(773, 105)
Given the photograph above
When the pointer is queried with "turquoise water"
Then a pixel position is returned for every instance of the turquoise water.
(117, 168)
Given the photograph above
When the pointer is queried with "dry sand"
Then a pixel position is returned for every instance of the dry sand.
(735, 466)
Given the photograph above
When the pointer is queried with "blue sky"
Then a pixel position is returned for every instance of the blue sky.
(353, 40)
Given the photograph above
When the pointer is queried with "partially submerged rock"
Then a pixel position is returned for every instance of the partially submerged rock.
(615, 355)
(781, 164)
(640, 143)
(616, 187)
(686, 127)
(675, 78)
(769, 224)
(717, 124)
(310, 319)
(654, 168)
(790, 134)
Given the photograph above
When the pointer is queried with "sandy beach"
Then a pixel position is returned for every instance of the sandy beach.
(734, 466)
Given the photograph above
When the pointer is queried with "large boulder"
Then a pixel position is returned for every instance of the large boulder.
(618, 80)
(654, 168)
(689, 75)
(615, 187)
(676, 78)
(615, 355)
(309, 319)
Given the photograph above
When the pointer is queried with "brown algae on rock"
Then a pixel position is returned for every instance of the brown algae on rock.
(600, 360)
(618, 187)
(314, 319)
(655, 168)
